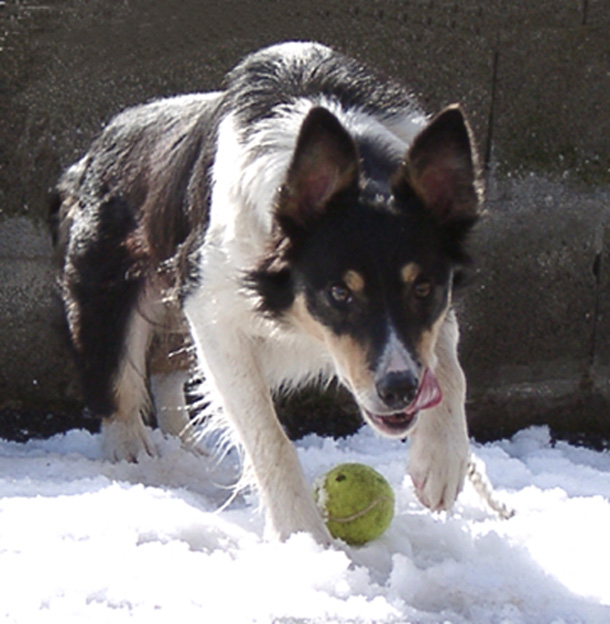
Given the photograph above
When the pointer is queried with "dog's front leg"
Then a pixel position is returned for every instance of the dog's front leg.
(439, 449)
(232, 367)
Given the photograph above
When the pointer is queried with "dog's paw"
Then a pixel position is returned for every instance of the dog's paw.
(126, 440)
(438, 472)
(309, 521)
(292, 509)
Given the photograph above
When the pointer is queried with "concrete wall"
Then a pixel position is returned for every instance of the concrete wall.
(533, 76)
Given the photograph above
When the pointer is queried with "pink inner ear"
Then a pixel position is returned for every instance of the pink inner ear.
(317, 188)
(437, 185)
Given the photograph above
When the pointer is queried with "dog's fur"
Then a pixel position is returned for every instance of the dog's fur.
(307, 221)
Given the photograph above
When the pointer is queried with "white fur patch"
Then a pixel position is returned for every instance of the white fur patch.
(396, 358)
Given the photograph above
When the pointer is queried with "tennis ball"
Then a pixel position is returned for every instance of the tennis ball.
(356, 502)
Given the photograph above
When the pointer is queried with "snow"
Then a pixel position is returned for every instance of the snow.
(82, 539)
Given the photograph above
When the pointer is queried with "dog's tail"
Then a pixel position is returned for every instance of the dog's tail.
(63, 203)
(484, 489)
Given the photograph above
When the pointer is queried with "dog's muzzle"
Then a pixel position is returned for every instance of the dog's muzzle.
(405, 399)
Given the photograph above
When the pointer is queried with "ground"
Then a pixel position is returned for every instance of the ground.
(81, 538)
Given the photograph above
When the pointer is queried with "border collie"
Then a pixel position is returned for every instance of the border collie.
(306, 222)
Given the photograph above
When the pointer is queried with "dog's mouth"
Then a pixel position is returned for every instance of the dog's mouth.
(398, 424)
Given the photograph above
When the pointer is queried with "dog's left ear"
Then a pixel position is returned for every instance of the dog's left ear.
(441, 167)
(325, 163)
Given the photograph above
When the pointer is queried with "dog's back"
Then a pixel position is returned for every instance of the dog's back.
(147, 158)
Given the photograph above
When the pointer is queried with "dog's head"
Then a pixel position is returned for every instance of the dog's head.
(365, 255)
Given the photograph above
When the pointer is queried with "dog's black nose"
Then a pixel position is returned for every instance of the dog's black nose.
(397, 390)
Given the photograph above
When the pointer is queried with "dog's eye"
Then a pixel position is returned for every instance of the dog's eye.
(340, 293)
(422, 289)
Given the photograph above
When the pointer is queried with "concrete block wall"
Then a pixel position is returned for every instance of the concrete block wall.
(534, 78)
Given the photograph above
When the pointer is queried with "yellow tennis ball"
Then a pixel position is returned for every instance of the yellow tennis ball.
(357, 503)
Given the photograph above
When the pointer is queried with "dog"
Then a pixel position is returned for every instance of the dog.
(306, 222)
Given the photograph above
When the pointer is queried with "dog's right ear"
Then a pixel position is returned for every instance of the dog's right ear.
(441, 167)
(325, 163)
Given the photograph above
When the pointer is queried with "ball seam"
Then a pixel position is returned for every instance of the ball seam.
(359, 514)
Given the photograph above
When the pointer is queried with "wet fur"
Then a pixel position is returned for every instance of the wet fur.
(306, 222)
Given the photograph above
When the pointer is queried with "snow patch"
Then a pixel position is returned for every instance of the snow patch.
(85, 540)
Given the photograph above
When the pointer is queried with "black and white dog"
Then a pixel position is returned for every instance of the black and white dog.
(305, 222)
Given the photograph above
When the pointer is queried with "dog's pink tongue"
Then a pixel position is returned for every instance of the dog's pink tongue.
(428, 395)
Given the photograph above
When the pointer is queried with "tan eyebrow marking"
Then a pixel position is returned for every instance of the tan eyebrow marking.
(354, 281)
(409, 272)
